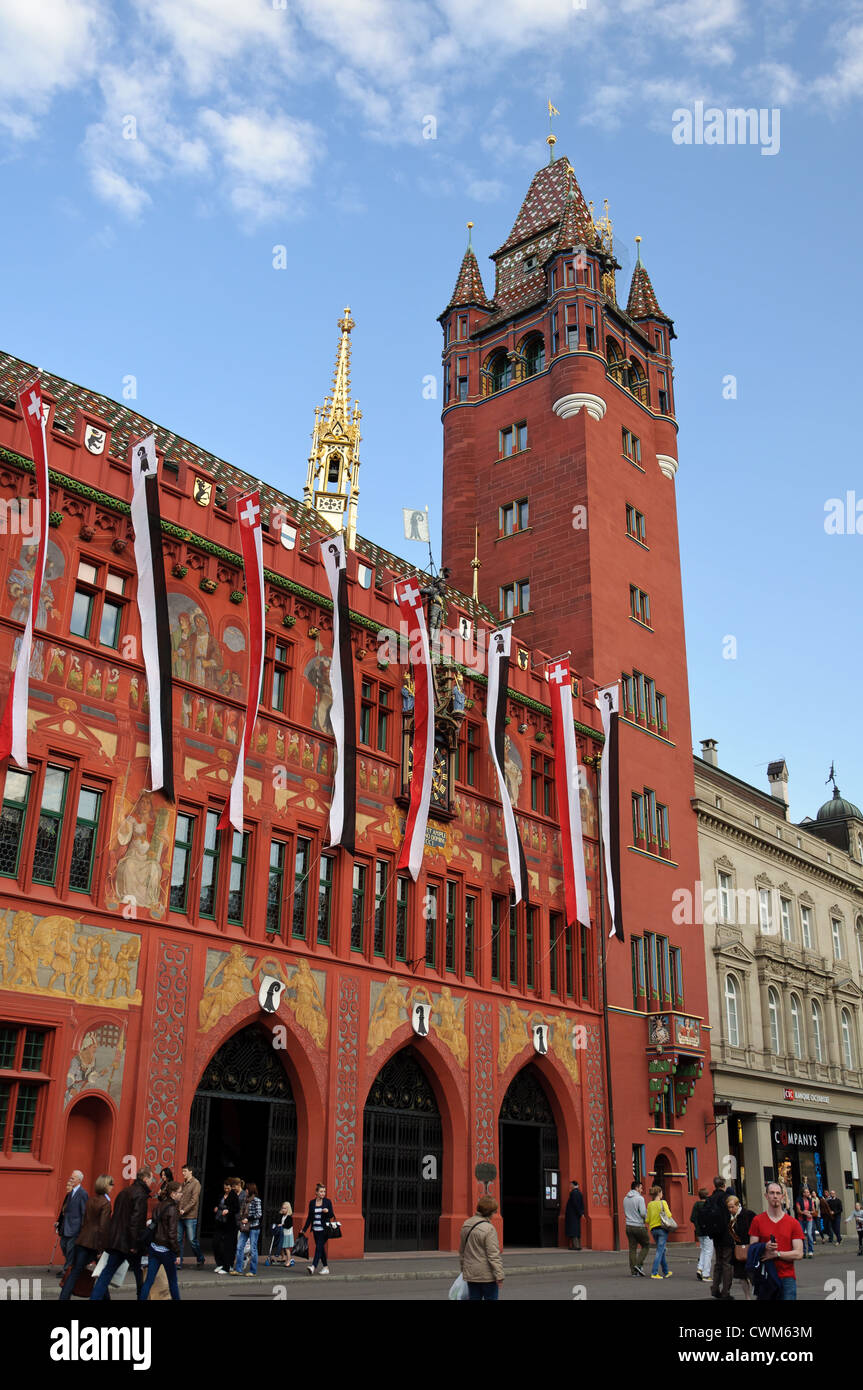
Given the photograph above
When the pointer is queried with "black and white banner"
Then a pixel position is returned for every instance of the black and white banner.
(566, 778)
(343, 714)
(409, 600)
(153, 610)
(608, 700)
(498, 681)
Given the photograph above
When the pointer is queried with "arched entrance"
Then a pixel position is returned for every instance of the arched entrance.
(660, 1174)
(528, 1158)
(402, 1158)
(244, 1122)
(88, 1140)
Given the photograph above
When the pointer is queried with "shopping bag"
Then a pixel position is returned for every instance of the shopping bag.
(458, 1289)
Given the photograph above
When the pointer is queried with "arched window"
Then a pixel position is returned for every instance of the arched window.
(847, 1040)
(774, 1021)
(499, 369)
(817, 1031)
(613, 350)
(796, 1033)
(533, 349)
(732, 1011)
(638, 383)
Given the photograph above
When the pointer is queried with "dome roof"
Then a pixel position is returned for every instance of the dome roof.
(838, 809)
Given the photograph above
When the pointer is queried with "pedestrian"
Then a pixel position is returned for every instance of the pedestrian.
(826, 1216)
(165, 1244)
(574, 1213)
(165, 1177)
(479, 1254)
(804, 1210)
(188, 1213)
(74, 1206)
(319, 1215)
(740, 1220)
(835, 1205)
(127, 1233)
(637, 1234)
(285, 1226)
(857, 1217)
(249, 1232)
(782, 1238)
(92, 1235)
(657, 1208)
(224, 1236)
(715, 1220)
(705, 1243)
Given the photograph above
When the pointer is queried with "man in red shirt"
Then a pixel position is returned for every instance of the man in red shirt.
(783, 1239)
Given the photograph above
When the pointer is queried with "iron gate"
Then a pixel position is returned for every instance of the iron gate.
(402, 1158)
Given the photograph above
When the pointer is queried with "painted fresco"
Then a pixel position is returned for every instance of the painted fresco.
(98, 1063)
(139, 854)
(66, 958)
(390, 1005)
(232, 976)
(515, 1029)
(214, 663)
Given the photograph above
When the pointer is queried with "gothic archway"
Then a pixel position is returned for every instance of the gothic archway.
(244, 1122)
(530, 1179)
(402, 1158)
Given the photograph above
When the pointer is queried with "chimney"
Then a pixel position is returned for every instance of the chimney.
(777, 776)
(708, 751)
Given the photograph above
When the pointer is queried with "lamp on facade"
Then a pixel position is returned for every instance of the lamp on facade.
(721, 1110)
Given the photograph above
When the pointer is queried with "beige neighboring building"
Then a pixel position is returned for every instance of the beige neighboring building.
(783, 933)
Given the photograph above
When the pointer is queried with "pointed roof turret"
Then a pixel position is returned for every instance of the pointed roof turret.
(642, 302)
(545, 204)
(332, 485)
(469, 287)
(576, 224)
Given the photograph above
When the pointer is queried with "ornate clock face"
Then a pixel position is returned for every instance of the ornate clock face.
(440, 779)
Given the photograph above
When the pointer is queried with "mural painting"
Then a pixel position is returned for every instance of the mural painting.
(231, 978)
(391, 1004)
(65, 958)
(517, 1027)
(139, 857)
(98, 1062)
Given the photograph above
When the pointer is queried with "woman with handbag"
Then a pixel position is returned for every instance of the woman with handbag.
(321, 1220)
(164, 1248)
(659, 1223)
(741, 1219)
(248, 1231)
(92, 1237)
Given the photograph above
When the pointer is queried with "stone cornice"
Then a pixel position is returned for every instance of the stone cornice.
(777, 850)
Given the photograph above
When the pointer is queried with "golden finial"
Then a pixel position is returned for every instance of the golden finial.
(469, 230)
(346, 323)
(551, 141)
(638, 250)
(475, 564)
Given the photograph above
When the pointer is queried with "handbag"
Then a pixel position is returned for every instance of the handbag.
(333, 1230)
(666, 1220)
(301, 1247)
(740, 1252)
(119, 1274)
(458, 1289)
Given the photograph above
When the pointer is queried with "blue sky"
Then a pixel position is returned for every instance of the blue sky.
(257, 126)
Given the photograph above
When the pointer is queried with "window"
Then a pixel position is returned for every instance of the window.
(639, 1162)
(277, 677)
(513, 517)
(631, 446)
(431, 905)
(569, 273)
(84, 840)
(16, 793)
(541, 784)
(237, 881)
(796, 1034)
(637, 817)
(499, 372)
(325, 899)
(181, 863)
(467, 750)
(732, 1016)
(534, 355)
(836, 928)
(555, 924)
(635, 524)
(462, 325)
(512, 440)
(590, 325)
(276, 886)
(210, 865)
(401, 918)
(585, 965)
(639, 982)
(764, 919)
(449, 927)
(817, 1031)
(665, 961)
(859, 937)
(50, 824)
(555, 336)
(806, 927)
(513, 945)
(650, 825)
(847, 1040)
(514, 598)
(461, 381)
(497, 912)
(691, 1170)
(642, 701)
(639, 605)
(529, 937)
(726, 898)
(302, 859)
(677, 975)
(380, 938)
(469, 933)
(98, 604)
(572, 327)
(358, 907)
(375, 715)
(664, 394)
(23, 1081)
(774, 1025)
(530, 263)
(785, 918)
(569, 979)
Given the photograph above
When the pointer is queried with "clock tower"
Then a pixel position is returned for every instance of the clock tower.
(332, 486)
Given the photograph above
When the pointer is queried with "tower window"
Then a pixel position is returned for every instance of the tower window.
(534, 355)
(514, 598)
(631, 446)
(530, 263)
(499, 372)
(461, 379)
(639, 605)
(590, 327)
(514, 517)
(512, 440)
(635, 524)
(462, 325)
(572, 327)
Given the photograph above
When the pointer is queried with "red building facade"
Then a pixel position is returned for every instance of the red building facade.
(560, 452)
(134, 936)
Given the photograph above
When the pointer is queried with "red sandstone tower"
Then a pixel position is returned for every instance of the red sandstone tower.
(560, 451)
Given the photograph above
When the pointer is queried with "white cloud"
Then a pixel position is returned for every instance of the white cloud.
(845, 82)
(45, 48)
(127, 198)
(266, 149)
(209, 37)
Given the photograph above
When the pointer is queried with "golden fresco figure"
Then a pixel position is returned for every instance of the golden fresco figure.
(515, 1036)
(61, 960)
(25, 956)
(308, 1006)
(451, 1026)
(386, 1015)
(126, 958)
(106, 971)
(561, 1043)
(219, 1000)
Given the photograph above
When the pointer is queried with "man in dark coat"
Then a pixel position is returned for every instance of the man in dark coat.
(73, 1210)
(723, 1242)
(574, 1213)
(127, 1234)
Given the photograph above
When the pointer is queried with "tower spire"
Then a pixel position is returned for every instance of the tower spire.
(551, 138)
(332, 484)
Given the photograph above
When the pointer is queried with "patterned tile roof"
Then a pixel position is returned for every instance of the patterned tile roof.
(642, 302)
(545, 202)
(469, 287)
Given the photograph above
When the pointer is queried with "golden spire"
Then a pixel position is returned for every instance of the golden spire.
(605, 229)
(475, 564)
(551, 138)
(332, 485)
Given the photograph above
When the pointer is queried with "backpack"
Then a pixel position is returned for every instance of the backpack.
(712, 1223)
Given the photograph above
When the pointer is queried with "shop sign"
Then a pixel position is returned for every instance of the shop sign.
(790, 1094)
(794, 1139)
